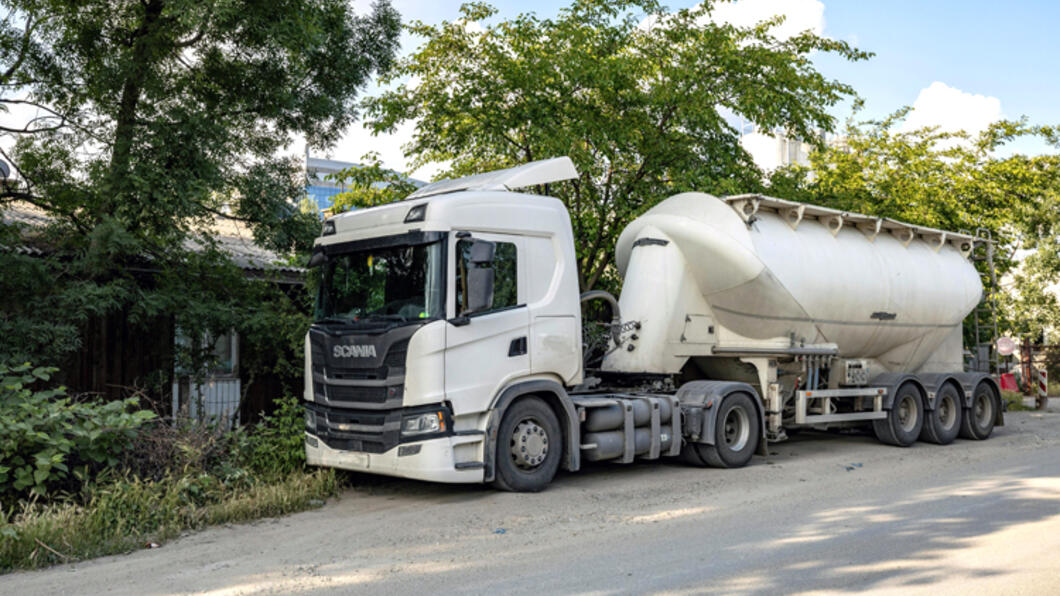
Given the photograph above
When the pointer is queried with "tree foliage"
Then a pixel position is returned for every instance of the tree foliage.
(368, 185)
(154, 120)
(635, 94)
(951, 181)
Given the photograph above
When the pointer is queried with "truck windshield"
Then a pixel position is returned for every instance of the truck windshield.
(396, 283)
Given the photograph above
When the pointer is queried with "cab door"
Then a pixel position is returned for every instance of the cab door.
(486, 349)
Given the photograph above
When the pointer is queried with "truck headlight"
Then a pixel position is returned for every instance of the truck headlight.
(310, 420)
(422, 424)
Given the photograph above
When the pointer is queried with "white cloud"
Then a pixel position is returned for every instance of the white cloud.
(358, 141)
(952, 110)
(800, 15)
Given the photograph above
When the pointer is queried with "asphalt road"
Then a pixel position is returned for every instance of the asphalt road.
(823, 513)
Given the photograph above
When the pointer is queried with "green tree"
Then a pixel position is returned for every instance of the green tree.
(155, 119)
(951, 181)
(634, 94)
(368, 185)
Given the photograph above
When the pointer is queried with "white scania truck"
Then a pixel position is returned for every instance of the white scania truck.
(447, 342)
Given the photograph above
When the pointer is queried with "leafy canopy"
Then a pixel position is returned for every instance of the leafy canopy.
(155, 119)
(635, 94)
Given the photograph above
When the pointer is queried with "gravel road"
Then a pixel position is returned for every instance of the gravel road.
(823, 513)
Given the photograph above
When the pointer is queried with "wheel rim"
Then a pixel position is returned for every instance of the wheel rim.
(983, 410)
(529, 444)
(737, 429)
(947, 412)
(907, 413)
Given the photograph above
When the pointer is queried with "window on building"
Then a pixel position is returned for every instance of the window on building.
(505, 275)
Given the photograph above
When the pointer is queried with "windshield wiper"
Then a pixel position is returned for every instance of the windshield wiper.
(382, 317)
(335, 321)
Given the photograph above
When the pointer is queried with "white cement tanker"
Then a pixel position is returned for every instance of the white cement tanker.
(449, 329)
(759, 273)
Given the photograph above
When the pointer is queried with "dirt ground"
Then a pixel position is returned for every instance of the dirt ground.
(823, 513)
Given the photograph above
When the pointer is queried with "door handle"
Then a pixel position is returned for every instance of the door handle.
(517, 347)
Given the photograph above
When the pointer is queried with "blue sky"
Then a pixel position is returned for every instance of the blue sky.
(959, 63)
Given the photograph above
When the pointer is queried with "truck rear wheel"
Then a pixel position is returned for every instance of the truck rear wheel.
(736, 435)
(904, 420)
(978, 421)
(942, 424)
(529, 446)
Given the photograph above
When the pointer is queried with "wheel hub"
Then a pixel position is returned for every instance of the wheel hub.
(983, 410)
(529, 445)
(907, 413)
(736, 430)
(947, 412)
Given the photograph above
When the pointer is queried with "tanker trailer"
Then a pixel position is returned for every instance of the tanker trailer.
(833, 318)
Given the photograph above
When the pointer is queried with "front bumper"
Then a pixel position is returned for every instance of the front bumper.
(431, 459)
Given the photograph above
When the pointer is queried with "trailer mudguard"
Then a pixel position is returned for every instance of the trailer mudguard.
(970, 380)
(700, 401)
(556, 396)
(892, 381)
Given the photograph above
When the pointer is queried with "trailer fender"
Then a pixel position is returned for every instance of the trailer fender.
(968, 382)
(700, 402)
(933, 382)
(556, 396)
(892, 381)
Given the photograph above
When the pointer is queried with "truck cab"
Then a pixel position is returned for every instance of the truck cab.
(432, 310)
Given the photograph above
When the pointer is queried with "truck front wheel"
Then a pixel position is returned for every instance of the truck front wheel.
(529, 446)
(736, 434)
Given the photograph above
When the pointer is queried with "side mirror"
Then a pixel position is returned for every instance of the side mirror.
(480, 277)
(318, 259)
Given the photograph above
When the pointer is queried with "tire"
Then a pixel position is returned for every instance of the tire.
(529, 446)
(904, 420)
(737, 430)
(978, 422)
(943, 424)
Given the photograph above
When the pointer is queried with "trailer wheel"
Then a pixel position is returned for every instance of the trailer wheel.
(942, 425)
(978, 421)
(529, 446)
(736, 433)
(904, 420)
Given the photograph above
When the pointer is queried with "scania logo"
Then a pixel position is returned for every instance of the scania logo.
(354, 351)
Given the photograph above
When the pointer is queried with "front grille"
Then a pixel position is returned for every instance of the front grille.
(346, 393)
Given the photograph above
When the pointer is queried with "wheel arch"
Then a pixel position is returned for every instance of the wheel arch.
(894, 381)
(970, 381)
(933, 384)
(556, 397)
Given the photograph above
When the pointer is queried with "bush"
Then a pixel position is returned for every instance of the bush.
(277, 444)
(51, 442)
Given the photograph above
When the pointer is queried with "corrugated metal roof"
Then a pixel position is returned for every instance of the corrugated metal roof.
(233, 238)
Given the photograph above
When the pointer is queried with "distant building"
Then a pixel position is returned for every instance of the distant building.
(320, 188)
(773, 149)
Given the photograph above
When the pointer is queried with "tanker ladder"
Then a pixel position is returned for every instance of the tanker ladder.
(804, 413)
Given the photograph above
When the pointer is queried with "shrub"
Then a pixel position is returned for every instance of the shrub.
(277, 443)
(49, 441)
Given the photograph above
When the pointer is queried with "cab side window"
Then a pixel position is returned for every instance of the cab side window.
(505, 275)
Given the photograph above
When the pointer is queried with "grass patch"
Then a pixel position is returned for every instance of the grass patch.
(1014, 401)
(125, 514)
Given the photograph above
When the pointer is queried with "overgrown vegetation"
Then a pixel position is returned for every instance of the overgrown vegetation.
(105, 479)
(50, 442)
